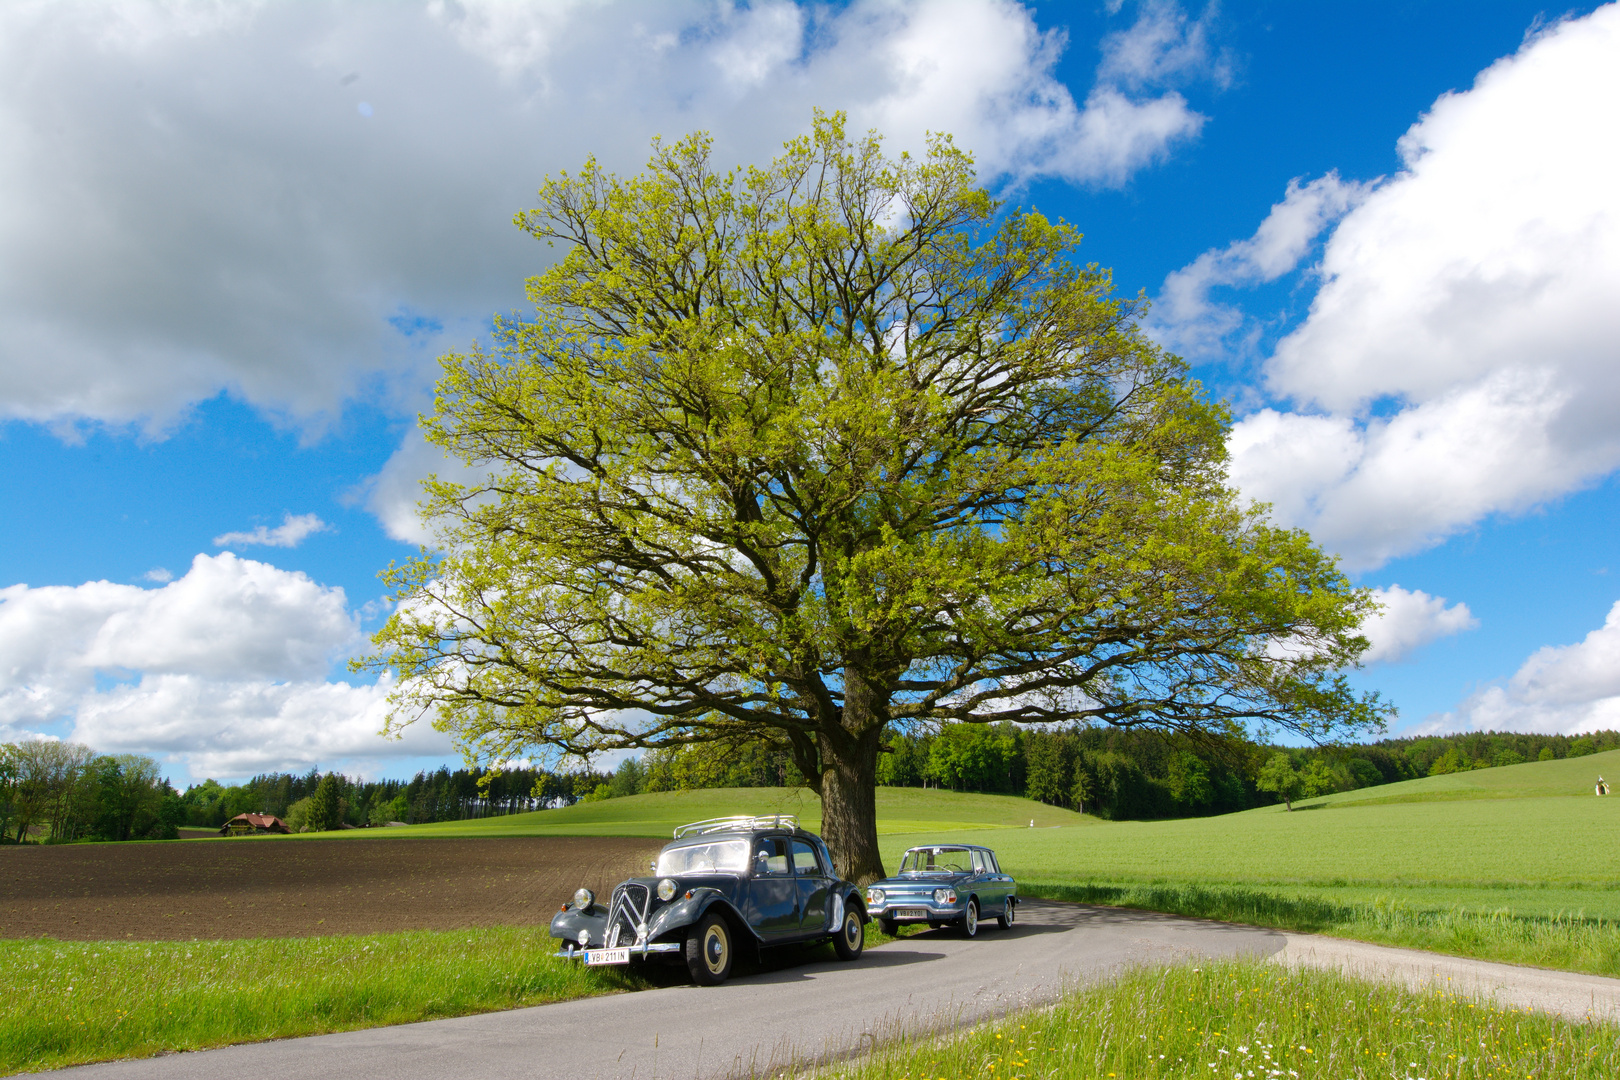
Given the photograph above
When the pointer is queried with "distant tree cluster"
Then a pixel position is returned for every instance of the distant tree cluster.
(1437, 755)
(317, 802)
(1114, 773)
(56, 792)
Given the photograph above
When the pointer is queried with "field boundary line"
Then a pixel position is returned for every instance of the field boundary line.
(1570, 994)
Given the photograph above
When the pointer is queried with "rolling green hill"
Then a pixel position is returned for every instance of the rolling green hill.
(1569, 777)
(900, 810)
(1531, 836)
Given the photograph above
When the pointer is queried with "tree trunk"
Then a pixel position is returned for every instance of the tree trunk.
(849, 805)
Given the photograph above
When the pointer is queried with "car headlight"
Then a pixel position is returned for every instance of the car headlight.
(875, 897)
(666, 890)
(584, 898)
(944, 896)
(583, 937)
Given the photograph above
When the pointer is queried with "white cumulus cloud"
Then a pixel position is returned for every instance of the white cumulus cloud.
(1411, 619)
(1186, 320)
(1462, 356)
(224, 669)
(194, 201)
(1559, 689)
(289, 534)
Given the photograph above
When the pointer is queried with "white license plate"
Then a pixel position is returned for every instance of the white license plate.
(606, 956)
(911, 913)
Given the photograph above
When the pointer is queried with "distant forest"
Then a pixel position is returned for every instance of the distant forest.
(429, 796)
(60, 793)
(1115, 773)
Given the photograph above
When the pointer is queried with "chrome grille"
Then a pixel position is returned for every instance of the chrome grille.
(628, 911)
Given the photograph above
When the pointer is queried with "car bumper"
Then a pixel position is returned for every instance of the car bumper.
(918, 911)
(572, 951)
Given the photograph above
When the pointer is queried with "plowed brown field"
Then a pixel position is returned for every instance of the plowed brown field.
(296, 888)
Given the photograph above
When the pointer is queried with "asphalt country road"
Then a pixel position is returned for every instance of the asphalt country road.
(828, 1010)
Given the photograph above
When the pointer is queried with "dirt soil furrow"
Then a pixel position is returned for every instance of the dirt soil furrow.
(298, 888)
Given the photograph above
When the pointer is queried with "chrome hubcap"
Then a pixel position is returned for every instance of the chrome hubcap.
(714, 948)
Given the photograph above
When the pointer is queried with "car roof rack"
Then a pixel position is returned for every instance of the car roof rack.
(738, 823)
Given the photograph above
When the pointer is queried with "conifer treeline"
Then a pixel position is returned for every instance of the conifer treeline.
(62, 792)
(1115, 773)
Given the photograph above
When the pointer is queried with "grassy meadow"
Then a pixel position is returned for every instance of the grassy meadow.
(1516, 864)
(900, 810)
(68, 1003)
(1245, 1019)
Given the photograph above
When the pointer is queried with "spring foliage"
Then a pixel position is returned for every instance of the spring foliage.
(805, 451)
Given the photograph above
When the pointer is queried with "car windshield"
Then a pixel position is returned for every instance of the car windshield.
(729, 856)
(936, 860)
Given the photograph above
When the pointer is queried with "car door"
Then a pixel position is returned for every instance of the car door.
(815, 887)
(773, 890)
(995, 879)
(992, 893)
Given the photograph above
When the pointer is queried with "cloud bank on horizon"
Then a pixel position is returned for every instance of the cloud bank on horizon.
(224, 669)
(334, 211)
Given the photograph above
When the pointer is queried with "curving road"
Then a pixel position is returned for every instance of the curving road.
(828, 1009)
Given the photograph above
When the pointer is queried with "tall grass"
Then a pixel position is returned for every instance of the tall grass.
(1242, 1019)
(65, 1003)
(1572, 942)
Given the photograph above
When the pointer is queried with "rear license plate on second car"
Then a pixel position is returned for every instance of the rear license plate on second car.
(911, 913)
(606, 956)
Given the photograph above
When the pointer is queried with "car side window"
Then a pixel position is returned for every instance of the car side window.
(995, 867)
(804, 858)
(770, 859)
(978, 863)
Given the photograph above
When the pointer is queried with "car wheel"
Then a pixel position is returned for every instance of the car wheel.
(970, 921)
(889, 926)
(851, 937)
(1005, 919)
(708, 951)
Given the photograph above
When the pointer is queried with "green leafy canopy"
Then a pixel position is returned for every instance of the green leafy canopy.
(804, 450)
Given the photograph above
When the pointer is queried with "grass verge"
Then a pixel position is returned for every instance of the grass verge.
(1570, 942)
(1246, 1019)
(68, 1003)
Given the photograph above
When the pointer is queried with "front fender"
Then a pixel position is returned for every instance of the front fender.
(677, 915)
(568, 922)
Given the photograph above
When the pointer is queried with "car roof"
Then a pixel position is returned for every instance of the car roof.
(950, 847)
(740, 827)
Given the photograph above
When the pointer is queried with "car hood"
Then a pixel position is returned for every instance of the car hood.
(919, 882)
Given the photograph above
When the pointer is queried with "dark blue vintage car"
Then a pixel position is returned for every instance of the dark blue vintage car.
(945, 884)
(721, 884)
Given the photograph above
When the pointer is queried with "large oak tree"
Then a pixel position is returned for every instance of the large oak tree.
(817, 450)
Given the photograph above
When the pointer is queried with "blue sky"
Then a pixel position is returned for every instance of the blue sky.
(236, 237)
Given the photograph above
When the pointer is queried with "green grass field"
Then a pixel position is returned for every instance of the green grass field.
(1515, 864)
(1518, 864)
(1244, 1019)
(70, 1002)
(900, 810)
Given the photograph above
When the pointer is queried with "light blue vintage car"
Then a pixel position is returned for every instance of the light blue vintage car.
(944, 884)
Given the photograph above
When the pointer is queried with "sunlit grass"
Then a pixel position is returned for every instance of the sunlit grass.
(1241, 1019)
(65, 1003)
(1570, 942)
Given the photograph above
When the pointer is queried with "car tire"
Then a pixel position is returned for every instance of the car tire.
(708, 951)
(890, 927)
(1005, 919)
(851, 936)
(970, 918)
